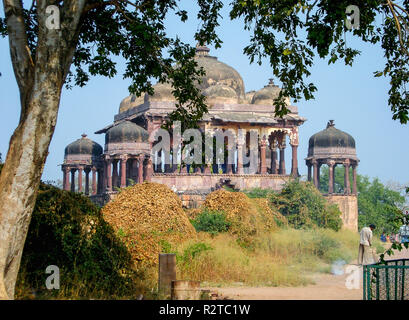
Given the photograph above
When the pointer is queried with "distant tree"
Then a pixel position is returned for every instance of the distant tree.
(379, 205)
(305, 207)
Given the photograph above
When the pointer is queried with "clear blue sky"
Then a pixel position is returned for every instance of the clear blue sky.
(351, 96)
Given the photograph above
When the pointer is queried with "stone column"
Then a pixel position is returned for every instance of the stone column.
(263, 165)
(87, 170)
(309, 171)
(273, 148)
(354, 189)
(128, 171)
(80, 169)
(67, 178)
(331, 164)
(281, 168)
(148, 169)
(104, 177)
(241, 140)
(167, 160)
(64, 180)
(123, 171)
(347, 187)
(109, 175)
(207, 167)
(140, 168)
(315, 166)
(73, 180)
(94, 181)
(114, 173)
(135, 170)
(183, 165)
(319, 175)
(294, 162)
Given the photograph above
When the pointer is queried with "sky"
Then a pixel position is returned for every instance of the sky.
(351, 96)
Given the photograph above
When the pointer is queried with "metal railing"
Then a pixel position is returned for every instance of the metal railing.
(388, 281)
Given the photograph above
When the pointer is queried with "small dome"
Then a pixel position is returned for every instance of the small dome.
(83, 146)
(267, 95)
(331, 140)
(126, 131)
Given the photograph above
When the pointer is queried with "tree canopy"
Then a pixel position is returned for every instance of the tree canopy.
(289, 33)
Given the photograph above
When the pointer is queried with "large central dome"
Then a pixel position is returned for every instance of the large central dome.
(218, 73)
(221, 83)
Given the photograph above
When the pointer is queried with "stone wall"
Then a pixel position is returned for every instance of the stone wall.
(349, 208)
(189, 182)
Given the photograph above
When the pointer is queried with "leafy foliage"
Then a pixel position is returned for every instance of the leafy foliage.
(304, 206)
(67, 230)
(288, 33)
(379, 205)
(211, 222)
(257, 193)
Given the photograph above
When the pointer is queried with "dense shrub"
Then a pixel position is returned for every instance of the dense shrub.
(211, 222)
(67, 230)
(257, 193)
(305, 207)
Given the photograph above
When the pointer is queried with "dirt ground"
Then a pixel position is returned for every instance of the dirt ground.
(326, 287)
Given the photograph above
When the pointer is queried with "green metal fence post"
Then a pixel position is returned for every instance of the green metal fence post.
(377, 284)
(396, 281)
(364, 281)
(403, 280)
(368, 285)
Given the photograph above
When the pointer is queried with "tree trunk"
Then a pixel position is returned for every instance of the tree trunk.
(40, 81)
(21, 176)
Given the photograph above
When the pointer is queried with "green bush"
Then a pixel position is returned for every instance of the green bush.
(67, 230)
(193, 251)
(257, 193)
(212, 222)
(305, 207)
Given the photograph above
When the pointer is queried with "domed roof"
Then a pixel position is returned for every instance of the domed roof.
(267, 95)
(163, 92)
(83, 146)
(218, 73)
(126, 131)
(330, 139)
(130, 102)
(220, 93)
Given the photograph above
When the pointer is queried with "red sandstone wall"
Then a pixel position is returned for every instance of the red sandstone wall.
(191, 182)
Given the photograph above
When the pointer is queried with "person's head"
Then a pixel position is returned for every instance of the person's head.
(372, 227)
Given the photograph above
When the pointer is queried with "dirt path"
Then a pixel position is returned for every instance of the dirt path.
(326, 287)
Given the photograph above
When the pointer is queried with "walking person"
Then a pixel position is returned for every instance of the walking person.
(365, 255)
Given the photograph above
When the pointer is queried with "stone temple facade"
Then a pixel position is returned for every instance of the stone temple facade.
(128, 155)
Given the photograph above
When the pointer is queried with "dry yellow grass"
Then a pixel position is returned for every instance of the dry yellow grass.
(145, 216)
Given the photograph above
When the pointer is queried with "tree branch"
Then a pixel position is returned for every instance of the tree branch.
(397, 23)
(21, 58)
